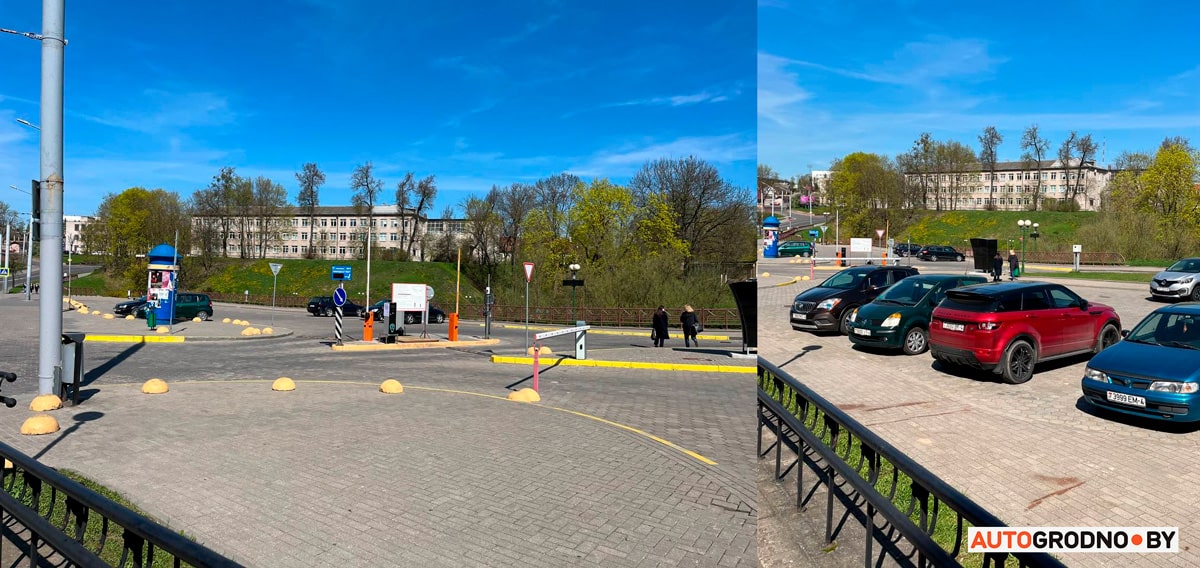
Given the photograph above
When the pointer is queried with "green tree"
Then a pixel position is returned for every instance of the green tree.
(134, 221)
(868, 187)
(1168, 194)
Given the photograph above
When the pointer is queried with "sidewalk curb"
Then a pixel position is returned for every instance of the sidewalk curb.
(566, 362)
(363, 346)
(130, 338)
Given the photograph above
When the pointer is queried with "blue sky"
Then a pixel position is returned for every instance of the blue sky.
(839, 77)
(162, 94)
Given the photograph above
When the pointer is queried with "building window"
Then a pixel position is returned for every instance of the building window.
(324, 222)
(342, 251)
(354, 222)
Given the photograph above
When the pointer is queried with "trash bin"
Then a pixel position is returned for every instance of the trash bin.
(72, 366)
(150, 319)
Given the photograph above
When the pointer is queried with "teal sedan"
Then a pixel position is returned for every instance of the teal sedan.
(899, 318)
(795, 248)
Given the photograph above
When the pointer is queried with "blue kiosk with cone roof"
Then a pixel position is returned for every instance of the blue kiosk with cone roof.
(161, 283)
(771, 237)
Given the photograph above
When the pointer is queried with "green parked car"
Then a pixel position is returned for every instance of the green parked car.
(188, 305)
(899, 318)
(795, 248)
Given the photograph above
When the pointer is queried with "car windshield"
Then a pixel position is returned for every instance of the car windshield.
(1169, 329)
(908, 292)
(1186, 265)
(844, 280)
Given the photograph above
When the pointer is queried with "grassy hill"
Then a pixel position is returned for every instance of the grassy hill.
(955, 228)
(299, 280)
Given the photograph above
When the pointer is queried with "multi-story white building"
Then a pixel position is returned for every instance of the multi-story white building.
(1013, 186)
(336, 232)
(73, 228)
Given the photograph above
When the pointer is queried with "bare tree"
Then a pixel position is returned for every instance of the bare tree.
(516, 202)
(242, 199)
(311, 179)
(270, 206)
(1087, 155)
(404, 190)
(366, 189)
(1035, 148)
(555, 194)
(988, 142)
(425, 193)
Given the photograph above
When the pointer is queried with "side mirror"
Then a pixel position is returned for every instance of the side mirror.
(1083, 304)
(1124, 333)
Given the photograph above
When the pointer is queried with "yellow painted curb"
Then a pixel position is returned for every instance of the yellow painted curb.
(155, 386)
(391, 386)
(395, 346)
(283, 384)
(690, 367)
(135, 338)
(40, 424)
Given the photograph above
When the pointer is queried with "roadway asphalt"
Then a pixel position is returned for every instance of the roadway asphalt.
(613, 467)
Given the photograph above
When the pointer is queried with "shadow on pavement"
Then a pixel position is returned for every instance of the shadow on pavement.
(697, 350)
(803, 350)
(99, 371)
(530, 377)
(79, 420)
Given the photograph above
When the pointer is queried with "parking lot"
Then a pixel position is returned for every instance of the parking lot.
(1034, 454)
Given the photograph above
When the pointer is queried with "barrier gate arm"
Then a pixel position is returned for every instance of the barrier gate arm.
(580, 346)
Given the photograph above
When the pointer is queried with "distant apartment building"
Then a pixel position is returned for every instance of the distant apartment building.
(73, 229)
(1013, 186)
(821, 180)
(774, 193)
(335, 232)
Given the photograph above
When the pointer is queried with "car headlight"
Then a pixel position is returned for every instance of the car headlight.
(1174, 387)
(1095, 375)
(892, 320)
(1186, 280)
(828, 304)
(854, 315)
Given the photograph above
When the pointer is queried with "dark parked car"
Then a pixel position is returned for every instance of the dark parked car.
(324, 306)
(795, 248)
(436, 315)
(129, 306)
(906, 249)
(828, 306)
(899, 317)
(939, 252)
(1155, 371)
(1009, 327)
(188, 305)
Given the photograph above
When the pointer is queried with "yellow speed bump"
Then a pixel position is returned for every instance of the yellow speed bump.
(45, 402)
(524, 395)
(267, 331)
(155, 386)
(251, 331)
(226, 320)
(129, 317)
(543, 350)
(40, 424)
(83, 311)
(391, 386)
(283, 384)
(766, 275)
(162, 329)
(109, 316)
(196, 320)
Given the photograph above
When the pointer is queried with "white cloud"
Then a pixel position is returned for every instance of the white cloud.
(779, 90)
(626, 160)
(157, 111)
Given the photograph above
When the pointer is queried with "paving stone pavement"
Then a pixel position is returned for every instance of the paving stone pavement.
(1033, 454)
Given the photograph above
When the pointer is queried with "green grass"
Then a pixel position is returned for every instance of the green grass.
(1115, 276)
(111, 553)
(956, 228)
(299, 277)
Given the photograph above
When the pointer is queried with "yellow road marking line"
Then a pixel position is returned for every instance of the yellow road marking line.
(643, 433)
(134, 338)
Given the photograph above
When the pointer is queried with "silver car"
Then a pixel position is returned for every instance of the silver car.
(1178, 281)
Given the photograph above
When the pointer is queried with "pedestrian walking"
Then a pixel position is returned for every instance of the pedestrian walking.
(997, 267)
(1013, 261)
(688, 319)
(658, 327)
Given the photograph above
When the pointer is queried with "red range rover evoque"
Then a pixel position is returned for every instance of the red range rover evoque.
(1011, 326)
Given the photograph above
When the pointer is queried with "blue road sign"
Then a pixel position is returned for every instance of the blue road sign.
(3, 272)
(813, 233)
(339, 296)
(341, 272)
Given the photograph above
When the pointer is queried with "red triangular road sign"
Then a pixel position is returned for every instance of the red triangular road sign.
(528, 271)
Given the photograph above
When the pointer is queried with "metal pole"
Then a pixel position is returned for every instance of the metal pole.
(274, 282)
(457, 279)
(69, 253)
(29, 261)
(174, 292)
(50, 308)
(526, 314)
(370, 221)
(7, 241)
(1022, 250)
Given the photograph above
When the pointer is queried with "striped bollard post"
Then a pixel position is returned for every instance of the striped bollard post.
(337, 323)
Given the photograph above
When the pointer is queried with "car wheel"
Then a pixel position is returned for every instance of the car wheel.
(328, 312)
(441, 319)
(960, 258)
(916, 341)
(203, 315)
(1018, 361)
(408, 318)
(1196, 293)
(1109, 335)
(933, 258)
(844, 326)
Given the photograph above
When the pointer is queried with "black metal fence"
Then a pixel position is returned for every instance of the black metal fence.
(923, 520)
(57, 521)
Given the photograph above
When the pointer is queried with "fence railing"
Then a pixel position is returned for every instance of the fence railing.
(924, 519)
(64, 523)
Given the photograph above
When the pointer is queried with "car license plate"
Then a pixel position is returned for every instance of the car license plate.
(953, 326)
(799, 316)
(1164, 290)
(1129, 399)
(861, 331)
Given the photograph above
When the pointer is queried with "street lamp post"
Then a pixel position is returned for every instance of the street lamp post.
(811, 185)
(28, 242)
(1025, 225)
(1034, 235)
(574, 283)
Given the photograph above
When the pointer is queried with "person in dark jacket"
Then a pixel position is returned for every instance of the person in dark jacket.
(997, 267)
(1012, 264)
(688, 319)
(658, 327)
